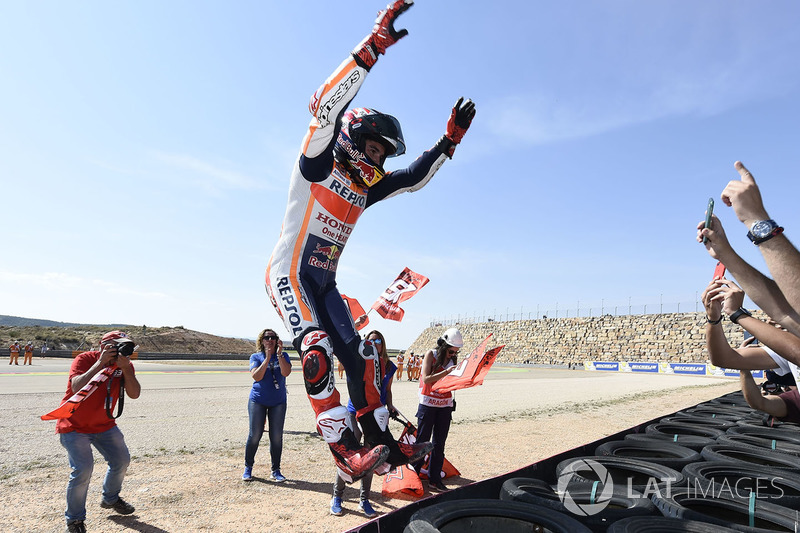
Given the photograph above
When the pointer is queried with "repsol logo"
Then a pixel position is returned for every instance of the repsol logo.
(327, 106)
(289, 305)
(358, 200)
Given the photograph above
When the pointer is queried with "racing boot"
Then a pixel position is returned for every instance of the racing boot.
(375, 425)
(353, 460)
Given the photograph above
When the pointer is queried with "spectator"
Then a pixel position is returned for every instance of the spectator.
(269, 367)
(92, 424)
(784, 406)
(435, 409)
(722, 296)
(387, 371)
(780, 299)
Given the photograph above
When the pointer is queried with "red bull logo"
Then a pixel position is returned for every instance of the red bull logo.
(331, 252)
(370, 174)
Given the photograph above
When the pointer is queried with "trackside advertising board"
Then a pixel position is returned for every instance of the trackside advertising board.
(686, 369)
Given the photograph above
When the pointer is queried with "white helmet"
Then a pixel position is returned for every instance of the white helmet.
(453, 337)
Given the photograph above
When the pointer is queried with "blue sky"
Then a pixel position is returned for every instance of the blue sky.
(145, 152)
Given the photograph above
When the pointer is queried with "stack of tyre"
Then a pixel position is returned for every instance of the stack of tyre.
(719, 466)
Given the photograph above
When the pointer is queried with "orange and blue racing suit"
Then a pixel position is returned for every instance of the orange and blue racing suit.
(324, 205)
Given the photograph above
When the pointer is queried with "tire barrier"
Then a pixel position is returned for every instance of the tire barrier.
(614, 506)
(673, 428)
(752, 440)
(633, 474)
(726, 413)
(491, 516)
(662, 524)
(751, 455)
(660, 452)
(782, 488)
(786, 435)
(745, 514)
(695, 442)
(716, 467)
(729, 400)
(701, 421)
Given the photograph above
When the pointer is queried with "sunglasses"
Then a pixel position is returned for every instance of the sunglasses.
(270, 338)
(376, 341)
(452, 351)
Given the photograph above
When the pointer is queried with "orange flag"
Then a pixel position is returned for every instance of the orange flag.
(355, 310)
(470, 371)
(404, 287)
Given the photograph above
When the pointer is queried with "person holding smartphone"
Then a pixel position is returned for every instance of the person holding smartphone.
(267, 404)
(776, 349)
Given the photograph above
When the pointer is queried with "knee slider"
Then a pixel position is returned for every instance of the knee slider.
(317, 372)
(317, 361)
(332, 423)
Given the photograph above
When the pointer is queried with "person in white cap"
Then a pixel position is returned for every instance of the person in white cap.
(435, 409)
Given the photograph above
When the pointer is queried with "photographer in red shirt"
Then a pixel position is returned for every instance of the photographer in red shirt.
(92, 423)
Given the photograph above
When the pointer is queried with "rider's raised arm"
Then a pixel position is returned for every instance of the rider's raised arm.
(334, 96)
(327, 106)
(420, 172)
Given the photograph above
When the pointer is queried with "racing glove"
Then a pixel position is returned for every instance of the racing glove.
(458, 124)
(383, 34)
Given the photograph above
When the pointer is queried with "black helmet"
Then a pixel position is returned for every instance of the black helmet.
(358, 125)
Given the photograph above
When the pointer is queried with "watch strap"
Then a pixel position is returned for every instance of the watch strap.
(736, 315)
(777, 230)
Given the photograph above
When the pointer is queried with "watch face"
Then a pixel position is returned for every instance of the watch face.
(761, 229)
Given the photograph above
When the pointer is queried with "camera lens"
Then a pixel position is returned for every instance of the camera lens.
(125, 349)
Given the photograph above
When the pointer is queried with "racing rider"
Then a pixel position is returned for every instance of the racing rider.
(338, 174)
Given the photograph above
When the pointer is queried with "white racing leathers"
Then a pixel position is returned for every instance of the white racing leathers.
(324, 205)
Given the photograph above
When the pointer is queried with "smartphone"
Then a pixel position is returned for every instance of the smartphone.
(709, 212)
(719, 272)
(748, 335)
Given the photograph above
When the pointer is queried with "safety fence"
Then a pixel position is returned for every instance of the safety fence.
(581, 309)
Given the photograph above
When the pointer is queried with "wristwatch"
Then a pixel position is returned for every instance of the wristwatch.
(763, 230)
(738, 314)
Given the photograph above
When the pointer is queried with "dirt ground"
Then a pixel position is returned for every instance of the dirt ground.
(187, 431)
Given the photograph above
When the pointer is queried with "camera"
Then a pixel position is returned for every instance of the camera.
(124, 349)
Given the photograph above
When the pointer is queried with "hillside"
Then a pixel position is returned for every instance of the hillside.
(65, 336)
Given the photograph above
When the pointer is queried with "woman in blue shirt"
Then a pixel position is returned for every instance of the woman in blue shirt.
(269, 368)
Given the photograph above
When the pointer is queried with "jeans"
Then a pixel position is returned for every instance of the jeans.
(111, 445)
(433, 425)
(259, 414)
